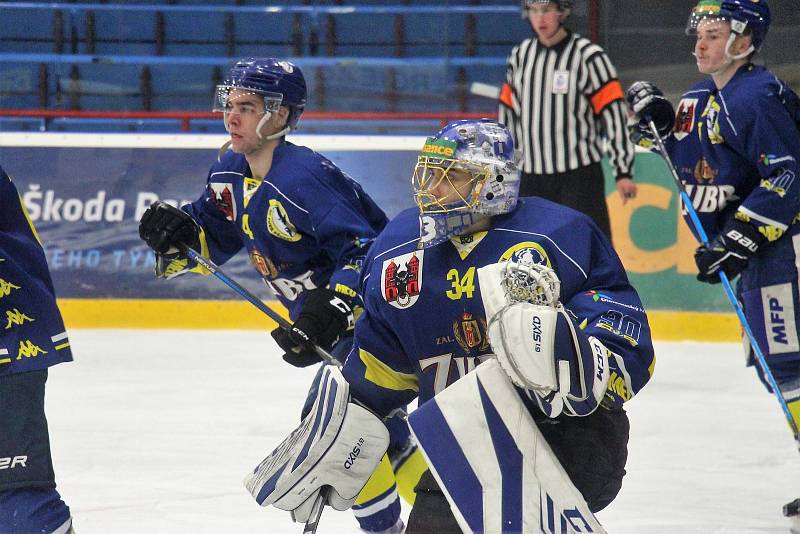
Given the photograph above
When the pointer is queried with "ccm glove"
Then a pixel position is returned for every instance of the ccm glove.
(164, 227)
(324, 317)
(728, 252)
(648, 103)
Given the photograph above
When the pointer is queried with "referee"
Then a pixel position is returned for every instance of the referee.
(560, 97)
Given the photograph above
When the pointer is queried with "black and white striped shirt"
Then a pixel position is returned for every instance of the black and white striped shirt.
(559, 101)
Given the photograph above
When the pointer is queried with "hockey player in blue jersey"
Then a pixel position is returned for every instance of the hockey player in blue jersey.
(306, 226)
(736, 145)
(33, 339)
(434, 308)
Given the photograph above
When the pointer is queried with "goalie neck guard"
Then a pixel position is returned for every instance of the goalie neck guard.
(465, 173)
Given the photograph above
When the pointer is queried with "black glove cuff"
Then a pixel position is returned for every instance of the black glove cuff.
(742, 238)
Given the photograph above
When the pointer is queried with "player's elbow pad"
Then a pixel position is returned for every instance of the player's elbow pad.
(543, 351)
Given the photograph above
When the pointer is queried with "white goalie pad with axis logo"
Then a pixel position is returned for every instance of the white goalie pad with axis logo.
(332, 453)
(492, 462)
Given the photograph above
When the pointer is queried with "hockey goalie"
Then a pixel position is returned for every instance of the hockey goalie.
(514, 325)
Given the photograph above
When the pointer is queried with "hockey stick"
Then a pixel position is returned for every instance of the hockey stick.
(726, 283)
(211, 267)
(312, 523)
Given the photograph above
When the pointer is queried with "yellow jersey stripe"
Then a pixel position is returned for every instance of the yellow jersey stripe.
(384, 376)
(794, 409)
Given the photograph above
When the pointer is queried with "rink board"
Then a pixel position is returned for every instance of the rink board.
(86, 192)
(240, 315)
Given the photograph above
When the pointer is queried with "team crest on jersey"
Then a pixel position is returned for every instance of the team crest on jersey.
(222, 195)
(401, 279)
(684, 118)
(470, 332)
(265, 267)
(711, 115)
(278, 223)
(527, 252)
(703, 172)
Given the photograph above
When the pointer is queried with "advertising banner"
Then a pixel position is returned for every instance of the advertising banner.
(86, 193)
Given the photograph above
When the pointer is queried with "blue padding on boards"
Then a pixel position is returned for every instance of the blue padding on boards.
(441, 446)
(510, 460)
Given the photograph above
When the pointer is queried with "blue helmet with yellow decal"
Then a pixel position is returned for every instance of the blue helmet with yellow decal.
(465, 173)
(746, 17)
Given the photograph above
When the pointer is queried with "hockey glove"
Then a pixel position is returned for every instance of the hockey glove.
(324, 317)
(536, 342)
(728, 252)
(648, 103)
(164, 228)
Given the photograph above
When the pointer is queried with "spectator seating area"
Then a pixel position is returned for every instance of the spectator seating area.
(359, 55)
(401, 56)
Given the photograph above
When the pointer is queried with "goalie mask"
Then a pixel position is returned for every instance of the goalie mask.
(465, 173)
(746, 17)
(279, 83)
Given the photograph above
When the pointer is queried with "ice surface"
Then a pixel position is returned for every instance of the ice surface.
(153, 431)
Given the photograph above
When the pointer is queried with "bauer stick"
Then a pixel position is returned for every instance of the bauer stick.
(725, 282)
(211, 267)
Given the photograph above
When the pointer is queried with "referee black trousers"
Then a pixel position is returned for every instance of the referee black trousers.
(582, 189)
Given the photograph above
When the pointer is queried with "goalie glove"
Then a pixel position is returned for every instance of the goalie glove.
(536, 341)
(333, 452)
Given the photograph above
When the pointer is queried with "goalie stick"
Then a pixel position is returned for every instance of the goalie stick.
(725, 283)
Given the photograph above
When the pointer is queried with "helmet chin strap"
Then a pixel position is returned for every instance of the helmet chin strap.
(263, 122)
(730, 58)
(728, 45)
(277, 135)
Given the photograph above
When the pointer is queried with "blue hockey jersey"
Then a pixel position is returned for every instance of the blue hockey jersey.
(32, 333)
(306, 225)
(737, 149)
(424, 325)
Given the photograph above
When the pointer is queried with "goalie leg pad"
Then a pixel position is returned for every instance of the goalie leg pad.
(339, 444)
(488, 456)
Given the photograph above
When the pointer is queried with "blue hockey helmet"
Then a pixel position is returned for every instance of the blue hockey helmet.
(280, 83)
(465, 173)
(746, 17)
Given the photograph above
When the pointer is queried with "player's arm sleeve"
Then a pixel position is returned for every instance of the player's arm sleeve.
(345, 232)
(771, 140)
(607, 99)
(609, 309)
(219, 239)
(380, 374)
(509, 100)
